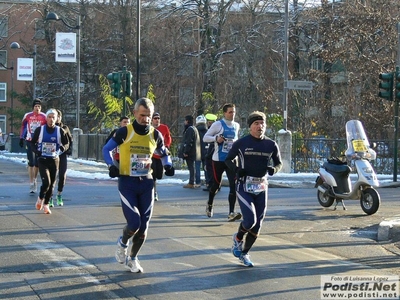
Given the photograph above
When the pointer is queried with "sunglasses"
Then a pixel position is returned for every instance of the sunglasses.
(156, 118)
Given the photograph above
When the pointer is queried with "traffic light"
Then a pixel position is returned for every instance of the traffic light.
(128, 81)
(397, 86)
(116, 79)
(386, 85)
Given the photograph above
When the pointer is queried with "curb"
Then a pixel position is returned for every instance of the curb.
(389, 230)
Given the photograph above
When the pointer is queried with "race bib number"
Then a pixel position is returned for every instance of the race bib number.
(34, 125)
(140, 165)
(359, 146)
(255, 185)
(226, 146)
(49, 149)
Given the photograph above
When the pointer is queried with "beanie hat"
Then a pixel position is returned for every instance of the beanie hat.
(156, 114)
(255, 116)
(201, 120)
(211, 117)
(51, 111)
(36, 102)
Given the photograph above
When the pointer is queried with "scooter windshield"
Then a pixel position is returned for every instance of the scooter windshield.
(358, 146)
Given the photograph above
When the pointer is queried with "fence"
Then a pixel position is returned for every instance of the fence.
(307, 154)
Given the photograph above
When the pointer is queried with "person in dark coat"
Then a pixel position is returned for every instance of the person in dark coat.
(191, 149)
(200, 164)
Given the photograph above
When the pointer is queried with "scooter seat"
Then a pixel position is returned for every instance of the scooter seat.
(340, 169)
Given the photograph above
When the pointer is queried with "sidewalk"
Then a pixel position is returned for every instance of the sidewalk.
(81, 168)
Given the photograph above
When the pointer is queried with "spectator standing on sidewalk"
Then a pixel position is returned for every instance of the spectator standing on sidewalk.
(137, 141)
(257, 156)
(201, 127)
(30, 122)
(223, 133)
(191, 150)
(156, 164)
(62, 169)
(49, 141)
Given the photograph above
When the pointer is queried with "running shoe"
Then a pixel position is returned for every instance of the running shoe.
(60, 200)
(32, 188)
(233, 216)
(51, 203)
(155, 196)
(209, 211)
(35, 186)
(120, 253)
(46, 209)
(133, 264)
(39, 204)
(237, 246)
(245, 259)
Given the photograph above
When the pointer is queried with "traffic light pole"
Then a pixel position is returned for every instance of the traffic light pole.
(396, 109)
(124, 84)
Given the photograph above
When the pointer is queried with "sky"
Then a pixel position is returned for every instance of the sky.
(80, 168)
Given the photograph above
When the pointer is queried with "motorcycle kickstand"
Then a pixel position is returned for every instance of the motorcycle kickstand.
(337, 202)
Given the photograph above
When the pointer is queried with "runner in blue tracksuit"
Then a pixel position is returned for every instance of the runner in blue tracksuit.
(257, 156)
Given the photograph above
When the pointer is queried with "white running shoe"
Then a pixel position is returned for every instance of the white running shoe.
(32, 188)
(133, 265)
(245, 259)
(233, 216)
(35, 186)
(237, 246)
(46, 209)
(120, 253)
(39, 204)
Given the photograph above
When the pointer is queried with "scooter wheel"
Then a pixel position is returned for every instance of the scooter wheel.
(370, 201)
(325, 200)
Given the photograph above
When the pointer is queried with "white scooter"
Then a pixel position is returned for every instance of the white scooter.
(333, 182)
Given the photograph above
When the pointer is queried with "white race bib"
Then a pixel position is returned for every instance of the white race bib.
(227, 145)
(49, 149)
(140, 165)
(255, 185)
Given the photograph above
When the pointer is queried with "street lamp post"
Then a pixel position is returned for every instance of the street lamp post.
(138, 5)
(15, 45)
(54, 17)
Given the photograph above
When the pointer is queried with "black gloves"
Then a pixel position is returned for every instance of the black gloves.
(21, 143)
(169, 170)
(241, 173)
(271, 171)
(113, 171)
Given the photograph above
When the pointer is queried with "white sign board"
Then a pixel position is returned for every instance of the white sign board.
(25, 69)
(65, 47)
(300, 85)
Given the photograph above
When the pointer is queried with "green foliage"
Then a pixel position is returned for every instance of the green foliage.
(107, 116)
(274, 122)
(150, 94)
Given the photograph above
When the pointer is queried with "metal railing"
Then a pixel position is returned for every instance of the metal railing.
(307, 154)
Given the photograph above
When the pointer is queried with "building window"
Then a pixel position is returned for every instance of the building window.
(3, 59)
(3, 26)
(3, 92)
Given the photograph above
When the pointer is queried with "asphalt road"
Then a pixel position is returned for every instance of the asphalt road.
(70, 253)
